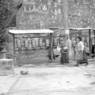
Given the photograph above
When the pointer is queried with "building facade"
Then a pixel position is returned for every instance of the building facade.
(56, 14)
(36, 14)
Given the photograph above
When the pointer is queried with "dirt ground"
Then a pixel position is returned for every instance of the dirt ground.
(51, 79)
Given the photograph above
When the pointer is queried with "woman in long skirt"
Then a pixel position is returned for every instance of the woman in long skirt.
(79, 51)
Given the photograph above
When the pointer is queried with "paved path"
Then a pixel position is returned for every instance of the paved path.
(50, 80)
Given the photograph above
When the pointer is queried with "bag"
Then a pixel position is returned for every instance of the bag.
(57, 51)
(58, 48)
(86, 50)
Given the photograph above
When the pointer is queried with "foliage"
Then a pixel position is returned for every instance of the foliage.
(6, 10)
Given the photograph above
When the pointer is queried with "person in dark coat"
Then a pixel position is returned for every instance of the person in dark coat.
(50, 57)
(64, 55)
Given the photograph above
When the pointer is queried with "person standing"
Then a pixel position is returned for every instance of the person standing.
(64, 55)
(69, 48)
(64, 52)
(79, 51)
(73, 47)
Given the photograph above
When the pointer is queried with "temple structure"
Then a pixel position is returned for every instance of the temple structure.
(56, 14)
(64, 17)
(41, 14)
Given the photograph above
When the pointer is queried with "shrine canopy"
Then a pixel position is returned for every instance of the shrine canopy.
(81, 28)
(15, 31)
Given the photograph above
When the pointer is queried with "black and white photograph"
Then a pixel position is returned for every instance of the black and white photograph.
(47, 47)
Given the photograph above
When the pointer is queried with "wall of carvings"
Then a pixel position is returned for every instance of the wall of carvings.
(53, 13)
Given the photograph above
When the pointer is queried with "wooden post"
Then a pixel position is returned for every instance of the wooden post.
(51, 46)
(94, 36)
(14, 54)
(90, 41)
(94, 42)
(13, 44)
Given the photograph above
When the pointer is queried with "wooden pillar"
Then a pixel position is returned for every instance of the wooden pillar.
(51, 46)
(39, 42)
(14, 53)
(90, 41)
(13, 43)
(94, 36)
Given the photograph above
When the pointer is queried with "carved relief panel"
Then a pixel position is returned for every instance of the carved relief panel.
(51, 13)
